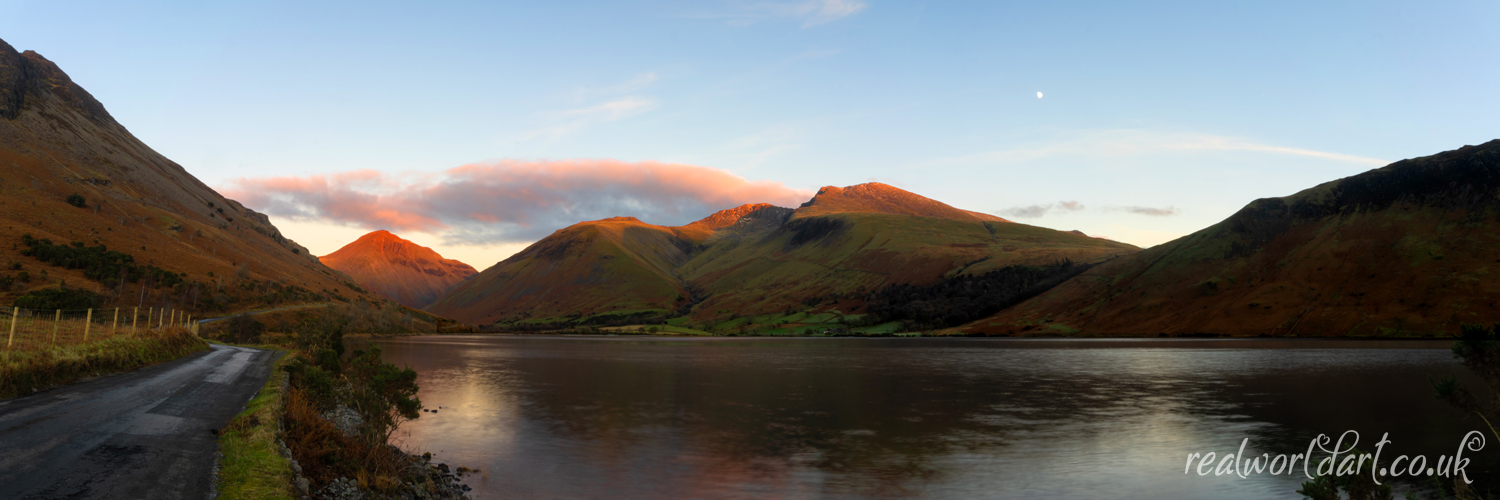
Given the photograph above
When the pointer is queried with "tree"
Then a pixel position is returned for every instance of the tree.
(76, 200)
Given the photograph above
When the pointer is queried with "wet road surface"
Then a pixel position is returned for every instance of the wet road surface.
(140, 434)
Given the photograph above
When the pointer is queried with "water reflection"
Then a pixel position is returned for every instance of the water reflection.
(897, 418)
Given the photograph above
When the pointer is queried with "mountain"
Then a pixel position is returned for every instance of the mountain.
(70, 173)
(756, 259)
(1406, 249)
(397, 269)
(619, 264)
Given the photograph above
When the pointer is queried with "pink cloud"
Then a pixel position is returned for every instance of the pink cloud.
(509, 200)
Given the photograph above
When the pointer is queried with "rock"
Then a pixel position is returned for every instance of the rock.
(296, 467)
(301, 484)
(341, 489)
(345, 419)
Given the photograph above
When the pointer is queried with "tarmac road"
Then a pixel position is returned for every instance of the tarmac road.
(140, 434)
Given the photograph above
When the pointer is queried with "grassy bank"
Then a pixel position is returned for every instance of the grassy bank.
(25, 372)
(251, 466)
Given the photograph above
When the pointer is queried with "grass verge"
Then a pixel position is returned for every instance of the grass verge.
(251, 466)
(25, 372)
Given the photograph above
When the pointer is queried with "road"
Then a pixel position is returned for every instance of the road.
(141, 434)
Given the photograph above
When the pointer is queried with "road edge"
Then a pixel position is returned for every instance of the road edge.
(24, 373)
(252, 463)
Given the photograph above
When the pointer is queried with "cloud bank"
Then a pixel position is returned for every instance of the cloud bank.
(509, 201)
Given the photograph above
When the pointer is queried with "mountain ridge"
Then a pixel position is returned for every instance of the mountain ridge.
(1399, 250)
(754, 258)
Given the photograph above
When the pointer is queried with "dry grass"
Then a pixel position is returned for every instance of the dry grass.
(25, 372)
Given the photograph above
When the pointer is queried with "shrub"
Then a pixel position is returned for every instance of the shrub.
(97, 262)
(76, 200)
(244, 329)
(1479, 349)
(58, 298)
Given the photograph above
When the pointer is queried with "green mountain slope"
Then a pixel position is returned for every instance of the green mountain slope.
(1407, 249)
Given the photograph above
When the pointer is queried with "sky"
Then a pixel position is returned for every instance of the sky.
(476, 128)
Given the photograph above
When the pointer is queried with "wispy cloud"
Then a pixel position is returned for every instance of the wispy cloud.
(759, 147)
(573, 120)
(1037, 211)
(600, 104)
(1151, 211)
(809, 12)
(508, 201)
(1129, 142)
(635, 84)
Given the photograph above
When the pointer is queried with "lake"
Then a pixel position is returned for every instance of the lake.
(661, 417)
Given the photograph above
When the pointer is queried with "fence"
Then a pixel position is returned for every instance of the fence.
(33, 329)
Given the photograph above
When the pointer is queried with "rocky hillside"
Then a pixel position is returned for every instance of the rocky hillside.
(1407, 249)
(70, 173)
(397, 269)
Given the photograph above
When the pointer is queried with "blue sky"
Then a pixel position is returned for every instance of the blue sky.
(1189, 109)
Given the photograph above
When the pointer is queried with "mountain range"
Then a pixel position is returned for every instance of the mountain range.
(757, 259)
(1406, 249)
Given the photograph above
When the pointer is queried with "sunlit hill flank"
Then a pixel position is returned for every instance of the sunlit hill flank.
(397, 269)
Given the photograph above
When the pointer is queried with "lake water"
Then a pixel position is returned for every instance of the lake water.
(643, 417)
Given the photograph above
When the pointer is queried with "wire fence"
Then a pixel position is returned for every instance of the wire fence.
(28, 329)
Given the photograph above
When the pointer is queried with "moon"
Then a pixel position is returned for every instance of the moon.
(1038, 95)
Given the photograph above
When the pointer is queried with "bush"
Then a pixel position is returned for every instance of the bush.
(244, 329)
(1479, 349)
(58, 298)
(76, 200)
(324, 379)
(97, 262)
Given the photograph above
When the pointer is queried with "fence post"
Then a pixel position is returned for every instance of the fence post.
(161, 320)
(149, 310)
(135, 315)
(16, 313)
(88, 321)
(55, 321)
(114, 325)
